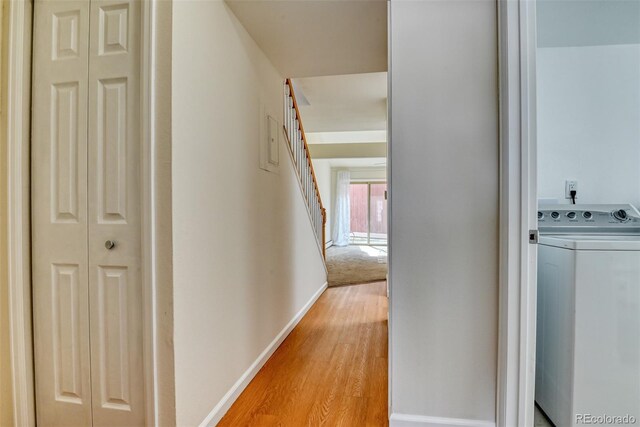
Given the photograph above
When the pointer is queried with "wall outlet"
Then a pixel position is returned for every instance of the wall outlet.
(569, 187)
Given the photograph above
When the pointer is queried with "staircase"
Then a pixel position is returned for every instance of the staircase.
(299, 150)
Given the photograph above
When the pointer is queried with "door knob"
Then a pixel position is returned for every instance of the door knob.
(110, 244)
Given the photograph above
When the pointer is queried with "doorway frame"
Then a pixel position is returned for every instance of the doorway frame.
(17, 40)
(518, 204)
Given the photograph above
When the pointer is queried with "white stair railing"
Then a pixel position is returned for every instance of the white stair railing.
(297, 142)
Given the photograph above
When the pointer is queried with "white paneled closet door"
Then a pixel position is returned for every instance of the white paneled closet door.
(86, 228)
(59, 213)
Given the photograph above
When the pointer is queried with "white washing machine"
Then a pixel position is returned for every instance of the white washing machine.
(588, 315)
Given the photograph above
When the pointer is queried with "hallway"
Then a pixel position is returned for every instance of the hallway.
(331, 370)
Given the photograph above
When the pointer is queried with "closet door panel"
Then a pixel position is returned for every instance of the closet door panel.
(114, 214)
(59, 213)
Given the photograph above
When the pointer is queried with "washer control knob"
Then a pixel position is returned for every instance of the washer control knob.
(555, 215)
(620, 215)
(571, 215)
(540, 215)
(587, 215)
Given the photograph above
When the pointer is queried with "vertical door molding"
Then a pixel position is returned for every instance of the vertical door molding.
(518, 201)
(389, 214)
(368, 213)
(149, 282)
(16, 129)
(157, 245)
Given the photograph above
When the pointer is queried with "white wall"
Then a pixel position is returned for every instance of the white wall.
(366, 173)
(589, 122)
(357, 150)
(562, 23)
(589, 100)
(444, 200)
(245, 256)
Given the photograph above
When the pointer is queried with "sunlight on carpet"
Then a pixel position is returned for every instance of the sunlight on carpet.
(356, 264)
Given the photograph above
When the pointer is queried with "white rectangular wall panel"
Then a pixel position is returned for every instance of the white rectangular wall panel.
(112, 140)
(64, 151)
(65, 312)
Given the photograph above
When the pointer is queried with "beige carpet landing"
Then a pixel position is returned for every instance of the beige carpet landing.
(356, 264)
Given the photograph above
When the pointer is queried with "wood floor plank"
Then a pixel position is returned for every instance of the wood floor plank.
(377, 393)
(330, 371)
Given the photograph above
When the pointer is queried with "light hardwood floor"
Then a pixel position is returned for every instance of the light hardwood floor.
(330, 371)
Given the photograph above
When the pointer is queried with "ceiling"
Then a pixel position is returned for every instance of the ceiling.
(355, 102)
(304, 38)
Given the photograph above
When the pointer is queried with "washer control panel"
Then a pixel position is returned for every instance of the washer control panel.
(588, 218)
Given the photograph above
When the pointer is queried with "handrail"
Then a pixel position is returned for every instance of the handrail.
(295, 125)
(304, 140)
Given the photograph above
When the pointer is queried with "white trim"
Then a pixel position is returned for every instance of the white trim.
(18, 220)
(234, 392)
(516, 353)
(389, 217)
(407, 420)
(149, 190)
(18, 176)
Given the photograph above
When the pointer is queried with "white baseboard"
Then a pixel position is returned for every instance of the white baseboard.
(406, 420)
(223, 406)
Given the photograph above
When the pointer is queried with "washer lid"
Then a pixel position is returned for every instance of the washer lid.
(593, 242)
